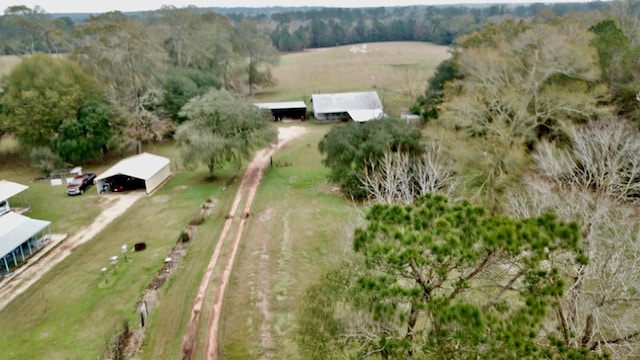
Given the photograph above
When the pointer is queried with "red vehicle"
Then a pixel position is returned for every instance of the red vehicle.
(80, 183)
(120, 183)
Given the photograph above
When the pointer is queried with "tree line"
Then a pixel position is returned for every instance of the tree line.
(298, 29)
(24, 30)
(112, 82)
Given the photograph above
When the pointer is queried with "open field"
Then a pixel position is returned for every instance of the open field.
(298, 225)
(397, 70)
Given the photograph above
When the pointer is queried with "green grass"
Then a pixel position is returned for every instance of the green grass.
(298, 224)
(167, 322)
(70, 313)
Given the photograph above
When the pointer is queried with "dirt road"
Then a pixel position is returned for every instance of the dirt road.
(21, 280)
(247, 191)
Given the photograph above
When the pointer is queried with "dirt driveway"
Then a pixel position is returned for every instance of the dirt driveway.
(114, 206)
(247, 191)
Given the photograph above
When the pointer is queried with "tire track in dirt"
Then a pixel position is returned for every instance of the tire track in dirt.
(248, 187)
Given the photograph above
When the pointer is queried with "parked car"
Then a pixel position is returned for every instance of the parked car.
(123, 183)
(80, 183)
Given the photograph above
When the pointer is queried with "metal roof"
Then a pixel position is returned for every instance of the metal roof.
(15, 229)
(142, 166)
(282, 105)
(9, 189)
(345, 102)
(365, 115)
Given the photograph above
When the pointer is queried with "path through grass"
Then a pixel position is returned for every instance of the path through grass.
(297, 226)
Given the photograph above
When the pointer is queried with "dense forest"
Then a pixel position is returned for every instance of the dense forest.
(24, 30)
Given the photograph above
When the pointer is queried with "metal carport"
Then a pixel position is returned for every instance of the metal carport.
(152, 169)
(18, 232)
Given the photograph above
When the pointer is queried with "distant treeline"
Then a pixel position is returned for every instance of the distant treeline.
(296, 28)
(299, 28)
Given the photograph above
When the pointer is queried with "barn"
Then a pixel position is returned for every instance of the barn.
(144, 170)
(350, 106)
(296, 110)
(20, 236)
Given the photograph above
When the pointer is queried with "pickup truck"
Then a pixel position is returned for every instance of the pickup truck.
(80, 183)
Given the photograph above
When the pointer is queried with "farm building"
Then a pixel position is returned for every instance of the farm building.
(144, 170)
(285, 110)
(20, 236)
(354, 106)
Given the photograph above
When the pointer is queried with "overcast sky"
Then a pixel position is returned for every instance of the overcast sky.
(70, 6)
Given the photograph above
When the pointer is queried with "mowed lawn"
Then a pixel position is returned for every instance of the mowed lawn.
(299, 225)
(71, 313)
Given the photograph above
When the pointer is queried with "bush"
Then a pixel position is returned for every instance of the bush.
(350, 148)
(45, 160)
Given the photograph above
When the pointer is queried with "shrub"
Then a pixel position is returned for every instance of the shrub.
(45, 160)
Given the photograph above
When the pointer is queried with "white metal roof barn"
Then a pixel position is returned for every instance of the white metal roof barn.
(9, 189)
(355, 106)
(152, 169)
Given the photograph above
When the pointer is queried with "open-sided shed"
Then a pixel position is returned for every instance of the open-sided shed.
(285, 109)
(355, 106)
(9, 189)
(151, 170)
(20, 236)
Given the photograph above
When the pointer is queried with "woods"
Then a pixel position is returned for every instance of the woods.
(536, 132)
(145, 69)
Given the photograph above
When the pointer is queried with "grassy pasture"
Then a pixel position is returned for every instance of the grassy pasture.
(397, 70)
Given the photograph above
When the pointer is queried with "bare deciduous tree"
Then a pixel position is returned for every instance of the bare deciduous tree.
(400, 178)
(530, 82)
(603, 157)
(589, 184)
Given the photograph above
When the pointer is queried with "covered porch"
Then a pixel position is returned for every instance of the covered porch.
(20, 237)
